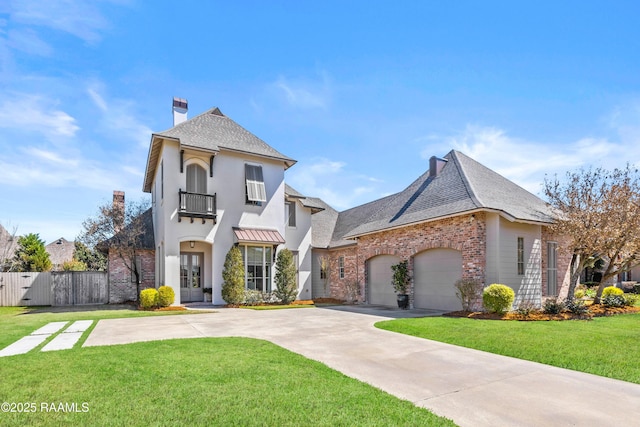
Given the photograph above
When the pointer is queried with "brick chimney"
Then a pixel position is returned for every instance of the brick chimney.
(118, 210)
(179, 110)
(435, 166)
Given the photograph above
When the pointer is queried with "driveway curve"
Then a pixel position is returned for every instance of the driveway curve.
(471, 387)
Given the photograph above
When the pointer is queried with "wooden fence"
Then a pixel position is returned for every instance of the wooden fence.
(54, 288)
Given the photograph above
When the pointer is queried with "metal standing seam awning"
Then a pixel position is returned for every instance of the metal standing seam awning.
(257, 235)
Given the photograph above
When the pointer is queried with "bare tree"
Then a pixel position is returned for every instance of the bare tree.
(121, 232)
(8, 245)
(599, 215)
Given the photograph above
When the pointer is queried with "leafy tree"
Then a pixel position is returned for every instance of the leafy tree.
(94, 260)
(31, 254)
(233, 277)
(599, 215)
(121, 232)
(74, 265)
(286, 286)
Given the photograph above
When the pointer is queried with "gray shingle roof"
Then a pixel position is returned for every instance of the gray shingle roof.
(463, 185)
(211, 131)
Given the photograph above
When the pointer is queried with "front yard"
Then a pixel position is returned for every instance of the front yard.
(606, 346)
(203, 381)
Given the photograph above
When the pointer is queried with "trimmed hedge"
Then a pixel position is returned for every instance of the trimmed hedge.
(611, 290)
(166, 296)
(498, 298)
(149, 298)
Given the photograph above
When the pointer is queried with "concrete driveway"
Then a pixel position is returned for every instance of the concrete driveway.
(471, 387)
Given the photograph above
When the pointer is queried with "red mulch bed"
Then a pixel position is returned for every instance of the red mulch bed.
(595, 310)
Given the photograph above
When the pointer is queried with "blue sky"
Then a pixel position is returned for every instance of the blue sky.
(361, 93)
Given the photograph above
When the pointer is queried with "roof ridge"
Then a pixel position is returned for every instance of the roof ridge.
(471, 191)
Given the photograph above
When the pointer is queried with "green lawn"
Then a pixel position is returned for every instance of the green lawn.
(606, 346)
(205, 381)
(16, 322)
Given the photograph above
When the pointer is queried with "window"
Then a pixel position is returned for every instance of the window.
(290, 213)
(341, 267)
(196, 179)
(520, 256)
(255, 190)
(552, 268)
(257, 267)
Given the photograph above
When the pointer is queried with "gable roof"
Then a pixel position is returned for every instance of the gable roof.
(463, 185)
(307, 202)
(60, 251)
(210, 131)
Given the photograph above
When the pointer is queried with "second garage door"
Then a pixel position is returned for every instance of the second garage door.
(379, 276)
(435, 272)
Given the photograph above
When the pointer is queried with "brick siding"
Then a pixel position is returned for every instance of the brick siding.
(121, 287)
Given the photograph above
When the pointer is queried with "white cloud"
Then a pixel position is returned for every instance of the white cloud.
(79, 18)
(332, 182)
(36, 113)
(303, 93)
(527, 162)
(118, 116)
(27, 40)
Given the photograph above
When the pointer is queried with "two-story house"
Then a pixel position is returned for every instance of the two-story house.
(214, 185)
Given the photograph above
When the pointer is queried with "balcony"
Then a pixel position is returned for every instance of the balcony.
(195, 205)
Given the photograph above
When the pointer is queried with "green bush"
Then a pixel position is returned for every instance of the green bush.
(286, 286)
(613, 300)
(498, 298)
(576, 306)
(552, 306)
(631, 299)
(149, 298)
(252, 297)
(233, 277)
(611, 290)
(579, 293)
(591, 293)
(166, 296)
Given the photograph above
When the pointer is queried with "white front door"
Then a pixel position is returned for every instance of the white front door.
(191, 276)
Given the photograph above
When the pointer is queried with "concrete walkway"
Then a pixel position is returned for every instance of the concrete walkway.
(471, 387)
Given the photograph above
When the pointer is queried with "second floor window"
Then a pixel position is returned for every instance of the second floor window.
(290, 213)
(255, 190)
(196, 179)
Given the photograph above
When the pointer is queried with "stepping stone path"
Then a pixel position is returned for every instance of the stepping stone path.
(62, 341)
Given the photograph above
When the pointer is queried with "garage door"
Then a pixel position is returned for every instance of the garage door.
(379, 275)
(435, 272)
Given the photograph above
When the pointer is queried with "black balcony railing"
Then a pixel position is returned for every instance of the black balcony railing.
(196, 205)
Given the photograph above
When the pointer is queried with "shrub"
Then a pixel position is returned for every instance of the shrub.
(525, 309)
(149, 298)
(74, 265)
(631, 299)
(270, 298)
(579, 293)
(591, 293)
(611, 290)
(252, 297)
(636, 288)
(166, 296)
(612, 300)
(576, 306)
(498, 298)
(233, 277)
(400, 278)
(286, 286)
(468, 291)
(552, 306)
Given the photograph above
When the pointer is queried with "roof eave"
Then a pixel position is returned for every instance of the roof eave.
(504, 214)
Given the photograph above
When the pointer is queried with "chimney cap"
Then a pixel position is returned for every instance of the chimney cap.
(179, 103)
